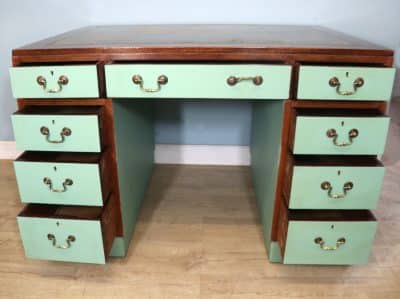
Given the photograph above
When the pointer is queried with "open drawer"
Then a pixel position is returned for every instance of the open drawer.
(68, 233)
(326, 237)
(333, 182)
(339, 132)
(58, 128)
(63, 178)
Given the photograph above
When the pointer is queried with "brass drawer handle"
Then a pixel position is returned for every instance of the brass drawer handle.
(64, 132)
(328, 187)
(67, 182)
(233, 80)
(68, 240)
(331, 133)
(335, 82)
(321, 243)
(62, 80)
(161, 80)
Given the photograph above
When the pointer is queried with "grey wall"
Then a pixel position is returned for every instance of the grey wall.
(24, 21)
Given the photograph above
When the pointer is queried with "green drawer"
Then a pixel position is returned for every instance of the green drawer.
(78, 81)
(66, 233)
(80, 180)
(40, 130)
(345, 83)
(336, 187)
(198, 81)
(323, 135)
(329, 242)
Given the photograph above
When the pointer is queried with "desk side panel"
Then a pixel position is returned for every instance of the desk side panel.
(265, 156)
(134, 137)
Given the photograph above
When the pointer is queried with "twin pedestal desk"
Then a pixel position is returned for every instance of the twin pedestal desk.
(84, 120)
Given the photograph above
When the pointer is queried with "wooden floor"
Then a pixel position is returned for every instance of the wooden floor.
(199, 237)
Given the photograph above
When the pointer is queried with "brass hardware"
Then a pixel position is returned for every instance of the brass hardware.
(67, 182)
(64, 132)
(68, 240)
(328, 187)
(331, 133)
(62, 80)
(161, 80)
(335, 82)
(233, 80)
(321, 243)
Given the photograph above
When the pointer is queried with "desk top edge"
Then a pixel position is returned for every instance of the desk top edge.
(116, 39)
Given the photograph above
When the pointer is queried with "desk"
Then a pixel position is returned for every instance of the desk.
(85, 123)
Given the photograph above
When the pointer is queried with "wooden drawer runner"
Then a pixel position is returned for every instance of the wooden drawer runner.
(63, 178)
(68, 233)
(75, 81)
(326, 238)
(333, 182)
(252, 81)
(58, 128)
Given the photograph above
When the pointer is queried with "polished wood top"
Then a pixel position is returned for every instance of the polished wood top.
(283, 43)
(266, 36)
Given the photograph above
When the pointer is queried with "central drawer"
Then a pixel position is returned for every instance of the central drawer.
(63, 178)
(228, 81)
(68, 233)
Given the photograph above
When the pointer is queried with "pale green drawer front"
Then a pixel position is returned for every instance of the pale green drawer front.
(84, 137)
(86, 248)
(301, 247)
(349, 187)
(311, 135)
(82, 82)
(59, 183)
(314, 83)
(198, 81)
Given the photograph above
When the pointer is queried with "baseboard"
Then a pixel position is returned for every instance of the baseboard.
(202, 154)
(174, 154)
(8, 150)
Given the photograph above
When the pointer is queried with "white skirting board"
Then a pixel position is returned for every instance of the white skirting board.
(174, 154)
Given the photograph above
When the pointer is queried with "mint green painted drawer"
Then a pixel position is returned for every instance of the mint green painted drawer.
(336, 187)
(42, 130)
(330, 242)
(77, 81)
(342, 135)
(71, 235)
(81, 179)
(198, 81)
(345, 83)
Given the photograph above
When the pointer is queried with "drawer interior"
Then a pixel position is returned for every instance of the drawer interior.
(339, 112)
(61, 110)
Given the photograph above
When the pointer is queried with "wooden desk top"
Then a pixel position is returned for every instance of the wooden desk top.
(164, 42)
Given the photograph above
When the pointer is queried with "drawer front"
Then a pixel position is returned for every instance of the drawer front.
(47, 132)
(340, 135)
(345, 83)
(86, 247)
(55, 82)
(304, 247)
(336, 187)
(198, 81)
(59, 183)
